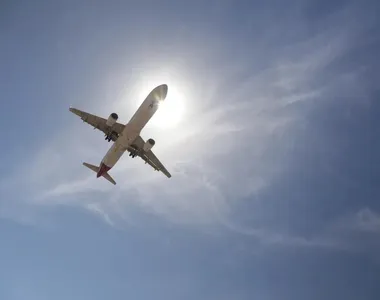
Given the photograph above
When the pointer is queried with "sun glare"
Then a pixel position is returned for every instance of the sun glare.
(171, 110)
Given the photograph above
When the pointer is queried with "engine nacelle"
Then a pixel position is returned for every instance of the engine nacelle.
(112, 119)
(148, 145)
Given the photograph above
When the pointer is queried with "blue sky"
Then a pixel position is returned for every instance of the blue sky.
(274, 193)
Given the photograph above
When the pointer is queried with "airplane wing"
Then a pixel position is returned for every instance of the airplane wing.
(98, 122)
(148, 156)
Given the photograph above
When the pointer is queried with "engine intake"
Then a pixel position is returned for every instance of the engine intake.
(112, 119)
(148, 145)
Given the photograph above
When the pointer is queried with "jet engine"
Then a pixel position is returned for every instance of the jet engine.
(148, 145)
(112, 119)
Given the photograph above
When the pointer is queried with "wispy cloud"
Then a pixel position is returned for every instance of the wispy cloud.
(364, 220)
(268, 238)
(356, 232)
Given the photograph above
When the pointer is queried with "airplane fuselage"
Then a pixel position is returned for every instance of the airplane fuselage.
(133, 128)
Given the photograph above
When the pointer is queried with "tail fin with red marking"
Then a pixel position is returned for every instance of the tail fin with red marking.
(96, 170)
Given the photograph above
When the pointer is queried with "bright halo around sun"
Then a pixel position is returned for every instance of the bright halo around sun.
(171, 110)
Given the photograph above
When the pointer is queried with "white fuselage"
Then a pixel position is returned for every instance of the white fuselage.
(133, 128)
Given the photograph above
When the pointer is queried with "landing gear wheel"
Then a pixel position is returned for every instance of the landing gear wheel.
(133, 154)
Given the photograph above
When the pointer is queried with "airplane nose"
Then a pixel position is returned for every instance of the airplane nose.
(162, 91)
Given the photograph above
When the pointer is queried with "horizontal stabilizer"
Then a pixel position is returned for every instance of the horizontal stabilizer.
(109, 178)
(92, 167)
(96, 170)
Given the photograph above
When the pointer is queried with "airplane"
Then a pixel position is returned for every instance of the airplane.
(127, 137)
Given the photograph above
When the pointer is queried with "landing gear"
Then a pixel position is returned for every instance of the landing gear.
(111, 136)
(133, 153)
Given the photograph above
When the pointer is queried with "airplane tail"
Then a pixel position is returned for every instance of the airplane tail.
(96, 170)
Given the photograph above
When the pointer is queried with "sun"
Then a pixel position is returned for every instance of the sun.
(171, 110)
